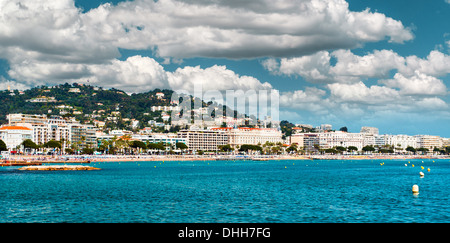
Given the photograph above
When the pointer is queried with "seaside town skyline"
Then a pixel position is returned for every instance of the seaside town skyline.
(381, 64)
(100, 132)
(189, 112)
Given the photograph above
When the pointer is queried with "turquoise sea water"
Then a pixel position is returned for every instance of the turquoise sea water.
(230, 192)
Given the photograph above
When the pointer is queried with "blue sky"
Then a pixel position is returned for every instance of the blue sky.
(346, 63)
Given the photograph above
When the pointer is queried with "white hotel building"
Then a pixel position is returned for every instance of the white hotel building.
(333, 139)
(429, 142)
(166, 138)
(56, 128)
(253, 136)
(13, 136)
(345, 139)
(209, 140)
(205, 140)
(397, 141)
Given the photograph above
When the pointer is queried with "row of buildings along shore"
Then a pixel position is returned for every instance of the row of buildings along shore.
(72, 134)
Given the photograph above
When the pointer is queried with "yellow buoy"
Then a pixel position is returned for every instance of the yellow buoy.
(412, 165)
(421, 167)
(428, 169)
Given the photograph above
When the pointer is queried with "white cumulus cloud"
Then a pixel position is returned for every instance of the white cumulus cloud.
(419, 84)
(360, 93)
(136, 74)
(252, 29)
(213, 78)
(54, 41)
(349, 68)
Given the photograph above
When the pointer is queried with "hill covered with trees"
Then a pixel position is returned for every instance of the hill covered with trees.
(78, 100)
(88, 103)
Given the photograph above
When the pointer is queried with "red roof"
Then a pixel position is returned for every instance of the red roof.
(241, 128)
(254, 128)
(14, 128)
(221, 128)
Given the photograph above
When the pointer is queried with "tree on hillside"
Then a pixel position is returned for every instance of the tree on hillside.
(286, 128)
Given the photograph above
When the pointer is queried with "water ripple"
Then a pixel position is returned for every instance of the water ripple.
(241, 191)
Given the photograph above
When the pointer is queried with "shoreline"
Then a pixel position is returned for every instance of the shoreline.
(32, 159)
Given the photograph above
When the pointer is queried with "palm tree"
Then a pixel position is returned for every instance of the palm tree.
(276, 149)
(122, 143)
(83, 140)
(63, 145)
(291, 148)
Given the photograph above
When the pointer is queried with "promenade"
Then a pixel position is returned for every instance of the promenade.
(130, 158)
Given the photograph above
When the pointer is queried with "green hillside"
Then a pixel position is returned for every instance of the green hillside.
(83, 100)
(88, 103)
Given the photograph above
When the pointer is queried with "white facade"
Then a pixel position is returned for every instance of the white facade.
(147, 138)
(429, 142)
(445, 142)
(397, 141)
(13, 136)
(55, 128)
(327, 140)
(344, 139)
(254, 136)
(165, 108)
(43, 133)
(205, 140)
